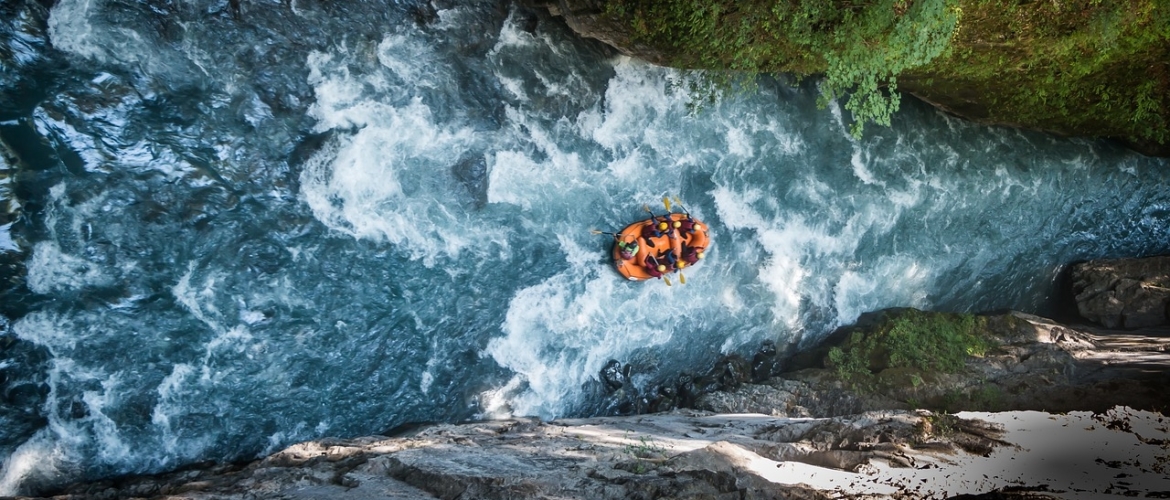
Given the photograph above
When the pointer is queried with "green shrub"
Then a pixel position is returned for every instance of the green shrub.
(911, 339)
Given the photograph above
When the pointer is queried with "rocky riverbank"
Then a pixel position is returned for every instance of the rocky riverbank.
(688, 454)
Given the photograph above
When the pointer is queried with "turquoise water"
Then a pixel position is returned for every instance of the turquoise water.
(231, 228)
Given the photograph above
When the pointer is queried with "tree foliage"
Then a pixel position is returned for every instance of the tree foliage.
(859, 46)
(1078, 67)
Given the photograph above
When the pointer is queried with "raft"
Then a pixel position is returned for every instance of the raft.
(675, 241)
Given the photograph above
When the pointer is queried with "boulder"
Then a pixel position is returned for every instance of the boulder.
(1123, 293)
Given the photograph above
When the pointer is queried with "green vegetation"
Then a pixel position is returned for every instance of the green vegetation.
(860, 46)
(1083, 67)
(910, 343)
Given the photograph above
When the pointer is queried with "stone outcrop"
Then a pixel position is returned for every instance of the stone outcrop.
(682, 454)
(586, 18)
(698, 455)
(1124, 293)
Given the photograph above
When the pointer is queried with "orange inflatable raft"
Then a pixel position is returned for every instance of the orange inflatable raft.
(653, 248)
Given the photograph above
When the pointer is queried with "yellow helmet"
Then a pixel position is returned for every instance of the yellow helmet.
(677, 224)
(661, 225)
(661, 268)
(682, 264)
(699, 227)
(700, 254)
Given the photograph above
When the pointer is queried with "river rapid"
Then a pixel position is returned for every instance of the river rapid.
(230, 225)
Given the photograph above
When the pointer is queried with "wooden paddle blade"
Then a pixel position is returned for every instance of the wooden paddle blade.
(667, 280)
(666, 202)
(682, 278)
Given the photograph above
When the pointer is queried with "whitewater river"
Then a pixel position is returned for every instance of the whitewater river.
(228, 226)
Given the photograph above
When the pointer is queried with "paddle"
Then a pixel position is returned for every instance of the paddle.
(680, 205)
(666, 202)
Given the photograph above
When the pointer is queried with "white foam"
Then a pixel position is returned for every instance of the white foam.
(56, 450)
(511, 36)
(39, 455)
(895, 280)
(792, 246)
(561, 332)
(738, 142)
(635, 99)
(390, 179)
(251, 317)
(409, 59)
(6, 242)
(194, 300)
(72, 30)
(51, 270)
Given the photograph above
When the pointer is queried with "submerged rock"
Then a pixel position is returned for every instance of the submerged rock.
(472, 173)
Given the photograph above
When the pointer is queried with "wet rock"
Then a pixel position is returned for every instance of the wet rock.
(587, 18)
(764, 362)
(731, 371)
(614, 376)
(472, 173)
(1123, 293)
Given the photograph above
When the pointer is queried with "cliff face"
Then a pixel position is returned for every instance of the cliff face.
(1080, 68)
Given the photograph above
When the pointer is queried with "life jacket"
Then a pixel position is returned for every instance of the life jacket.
(628, 249)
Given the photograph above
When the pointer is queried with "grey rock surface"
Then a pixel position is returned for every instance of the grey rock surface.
(682, 454)
(1123, 293)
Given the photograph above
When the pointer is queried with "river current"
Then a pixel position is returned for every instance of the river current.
(230, 225)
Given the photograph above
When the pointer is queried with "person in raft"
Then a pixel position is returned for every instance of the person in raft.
(671, 261)
(653, 267)
(655, 230)
(627, 249)
(691, 255)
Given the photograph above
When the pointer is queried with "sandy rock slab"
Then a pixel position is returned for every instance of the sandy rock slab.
(1121, 453)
